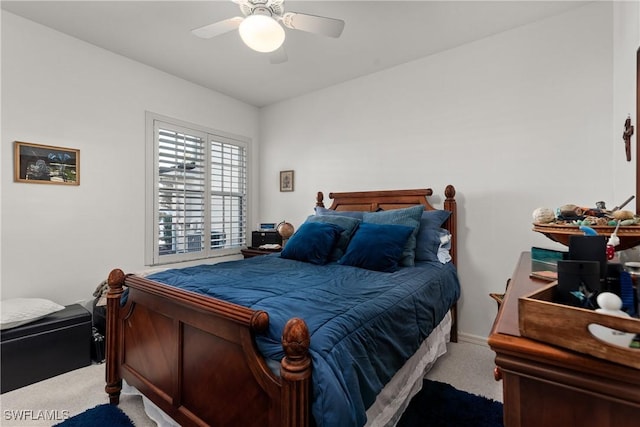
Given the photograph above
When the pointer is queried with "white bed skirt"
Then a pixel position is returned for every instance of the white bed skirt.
(392, 400)
(407, 382)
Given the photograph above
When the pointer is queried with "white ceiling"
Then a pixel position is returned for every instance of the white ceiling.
(377, 35)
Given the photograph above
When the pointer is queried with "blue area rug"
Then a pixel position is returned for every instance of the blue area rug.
(101, 415)
(441, 405)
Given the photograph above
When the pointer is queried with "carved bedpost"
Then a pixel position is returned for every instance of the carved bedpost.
(451, 205)
(320, 199)
(295, 373)
(113, 379)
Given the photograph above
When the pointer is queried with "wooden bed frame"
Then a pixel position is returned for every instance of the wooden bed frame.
(195, 356)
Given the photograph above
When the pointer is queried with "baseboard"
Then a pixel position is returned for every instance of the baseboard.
(472, 339)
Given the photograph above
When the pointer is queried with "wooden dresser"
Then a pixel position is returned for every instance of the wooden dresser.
(549, 386)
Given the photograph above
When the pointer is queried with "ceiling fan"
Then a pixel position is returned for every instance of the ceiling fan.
(261, 27)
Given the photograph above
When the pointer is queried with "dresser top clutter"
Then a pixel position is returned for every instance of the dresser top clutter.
(570, 219)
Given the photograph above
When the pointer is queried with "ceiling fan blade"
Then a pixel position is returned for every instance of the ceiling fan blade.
(314, 24)
(217, 28)
(278, 56)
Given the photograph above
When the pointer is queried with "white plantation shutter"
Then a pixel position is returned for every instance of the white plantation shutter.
(228, 194)
(181, 191)
(199, 194)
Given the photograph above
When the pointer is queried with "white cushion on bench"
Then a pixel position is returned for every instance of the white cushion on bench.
(19, 311)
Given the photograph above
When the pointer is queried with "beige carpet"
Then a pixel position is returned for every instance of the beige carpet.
(50, 401)
(466, 366)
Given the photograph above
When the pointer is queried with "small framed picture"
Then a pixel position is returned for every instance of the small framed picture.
(286, 180)
(45, 164)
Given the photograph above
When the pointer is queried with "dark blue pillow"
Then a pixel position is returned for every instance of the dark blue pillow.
(428, 243)
(434, 219)
(377, 246)
(312, 242)
(349, 226)
(406, 216)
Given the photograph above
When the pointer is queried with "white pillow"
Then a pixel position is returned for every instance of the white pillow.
(18, 311)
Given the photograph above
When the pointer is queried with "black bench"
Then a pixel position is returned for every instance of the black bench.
(53, 345)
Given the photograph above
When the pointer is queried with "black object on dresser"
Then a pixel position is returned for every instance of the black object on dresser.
(50, 346)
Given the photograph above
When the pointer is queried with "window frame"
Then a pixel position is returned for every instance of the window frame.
(152, 252)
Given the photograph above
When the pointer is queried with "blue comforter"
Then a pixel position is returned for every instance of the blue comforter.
(364, 324)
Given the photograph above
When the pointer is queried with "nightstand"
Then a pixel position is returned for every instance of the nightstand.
(251, 252)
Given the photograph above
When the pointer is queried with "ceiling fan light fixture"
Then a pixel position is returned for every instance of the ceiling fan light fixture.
(261, 33)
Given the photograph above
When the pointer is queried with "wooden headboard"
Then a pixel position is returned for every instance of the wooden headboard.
(372, 201)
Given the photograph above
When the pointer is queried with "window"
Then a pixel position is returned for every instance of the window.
(197, 190)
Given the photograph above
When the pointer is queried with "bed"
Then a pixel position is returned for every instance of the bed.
(222, 356)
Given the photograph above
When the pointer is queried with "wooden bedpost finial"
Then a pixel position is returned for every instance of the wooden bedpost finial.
(295, 342)
(116, 279)
(295, 338)
(320, 199)
(450, 192)
(260, 321)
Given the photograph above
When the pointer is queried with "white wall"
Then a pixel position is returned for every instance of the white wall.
(59, 242)
(515, 121)
(626, 40)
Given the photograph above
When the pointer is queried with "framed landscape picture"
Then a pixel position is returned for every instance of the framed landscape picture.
(286, 180)
(45, 164)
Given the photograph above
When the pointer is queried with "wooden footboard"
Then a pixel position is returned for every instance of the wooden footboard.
(195, 357)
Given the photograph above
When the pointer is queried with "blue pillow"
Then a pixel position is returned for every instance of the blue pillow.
(407, 216)
(429, 242)
(434, 219)
(348, 225)
(377, 246)
(312, 242)
(353, 214)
